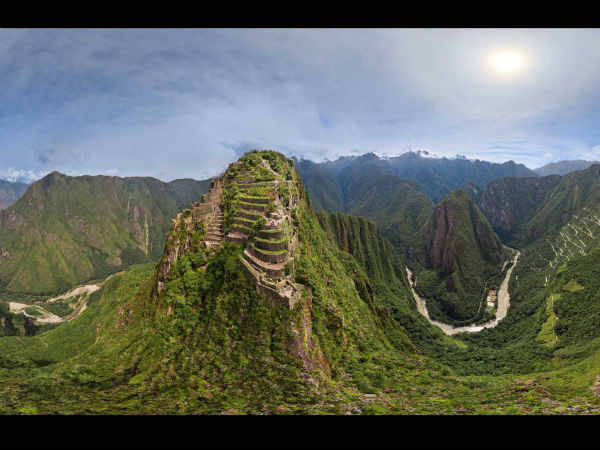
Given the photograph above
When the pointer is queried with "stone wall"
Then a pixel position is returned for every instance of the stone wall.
(268, 257)
(266, 235)
(271, 245)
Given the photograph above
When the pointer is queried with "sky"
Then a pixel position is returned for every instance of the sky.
(184, 103)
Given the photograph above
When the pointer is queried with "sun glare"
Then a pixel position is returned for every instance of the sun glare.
(506, 62)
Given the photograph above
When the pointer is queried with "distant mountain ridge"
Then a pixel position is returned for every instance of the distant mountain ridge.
(436, 177)
(564, 167)
(397, 193)
(10, 192)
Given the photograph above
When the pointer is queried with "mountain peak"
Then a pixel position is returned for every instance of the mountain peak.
(461, 251)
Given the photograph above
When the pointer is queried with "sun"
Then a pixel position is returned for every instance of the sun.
(506, 62)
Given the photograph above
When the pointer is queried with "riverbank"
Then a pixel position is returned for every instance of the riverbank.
(501, 310)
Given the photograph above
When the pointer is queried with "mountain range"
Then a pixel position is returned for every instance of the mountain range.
(365, 285)
(564, 167)
(65, 230)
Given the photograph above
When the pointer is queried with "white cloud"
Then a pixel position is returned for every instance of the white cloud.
(593, 154)
(21, 175)
(170, 103)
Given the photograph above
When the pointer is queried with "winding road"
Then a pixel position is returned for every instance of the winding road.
(501, 310)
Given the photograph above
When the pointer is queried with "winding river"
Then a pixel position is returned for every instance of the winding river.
(501, 310)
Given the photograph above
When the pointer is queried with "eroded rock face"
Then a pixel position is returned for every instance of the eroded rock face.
(179, 237)
(439, 255)
(508, 202)
(463, 250)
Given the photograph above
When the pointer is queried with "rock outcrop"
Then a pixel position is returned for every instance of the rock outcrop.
(508, 202)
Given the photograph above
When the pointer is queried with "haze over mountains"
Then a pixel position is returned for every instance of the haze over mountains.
(10, 192)
(564, 167)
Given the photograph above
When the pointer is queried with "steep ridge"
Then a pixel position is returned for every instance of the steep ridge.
(576, 190)
(274, 240)
(458, 258)
(67, 230)
(510, 202)
(366, 186)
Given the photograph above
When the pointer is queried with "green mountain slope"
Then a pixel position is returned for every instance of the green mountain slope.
(575, 192)
(213, 341)
(65, 230)
(510, 202)
(461, 255)
(10, 192)
(554, 297)
(208, 341)
(366, 187)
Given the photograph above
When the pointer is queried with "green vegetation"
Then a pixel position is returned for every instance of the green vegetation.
(547, 335)
(463, 259)
(34, 311)
(510, 202)
(573, 286)
(67, 230)
(209, 343)
(59, 307)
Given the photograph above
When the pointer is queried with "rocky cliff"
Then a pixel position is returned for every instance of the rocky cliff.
(459, 251)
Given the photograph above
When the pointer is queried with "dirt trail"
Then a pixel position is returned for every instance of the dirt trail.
(501, 310)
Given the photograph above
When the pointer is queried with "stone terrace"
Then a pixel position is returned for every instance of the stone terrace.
(209, 211)
(265, 258)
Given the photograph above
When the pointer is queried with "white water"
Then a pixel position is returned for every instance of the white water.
(501, 310)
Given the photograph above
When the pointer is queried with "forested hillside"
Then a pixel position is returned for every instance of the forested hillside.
(65, 230)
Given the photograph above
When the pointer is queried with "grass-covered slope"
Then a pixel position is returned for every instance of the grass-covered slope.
(325, 192)
(461, 255)
(65, 230)
(387, 280)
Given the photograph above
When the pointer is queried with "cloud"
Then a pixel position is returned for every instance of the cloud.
(593, 154)
(21, 175)
(175, 103)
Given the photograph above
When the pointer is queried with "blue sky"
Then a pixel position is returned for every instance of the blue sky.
(185, 103)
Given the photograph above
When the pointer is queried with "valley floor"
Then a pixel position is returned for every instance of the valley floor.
(501, 311)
